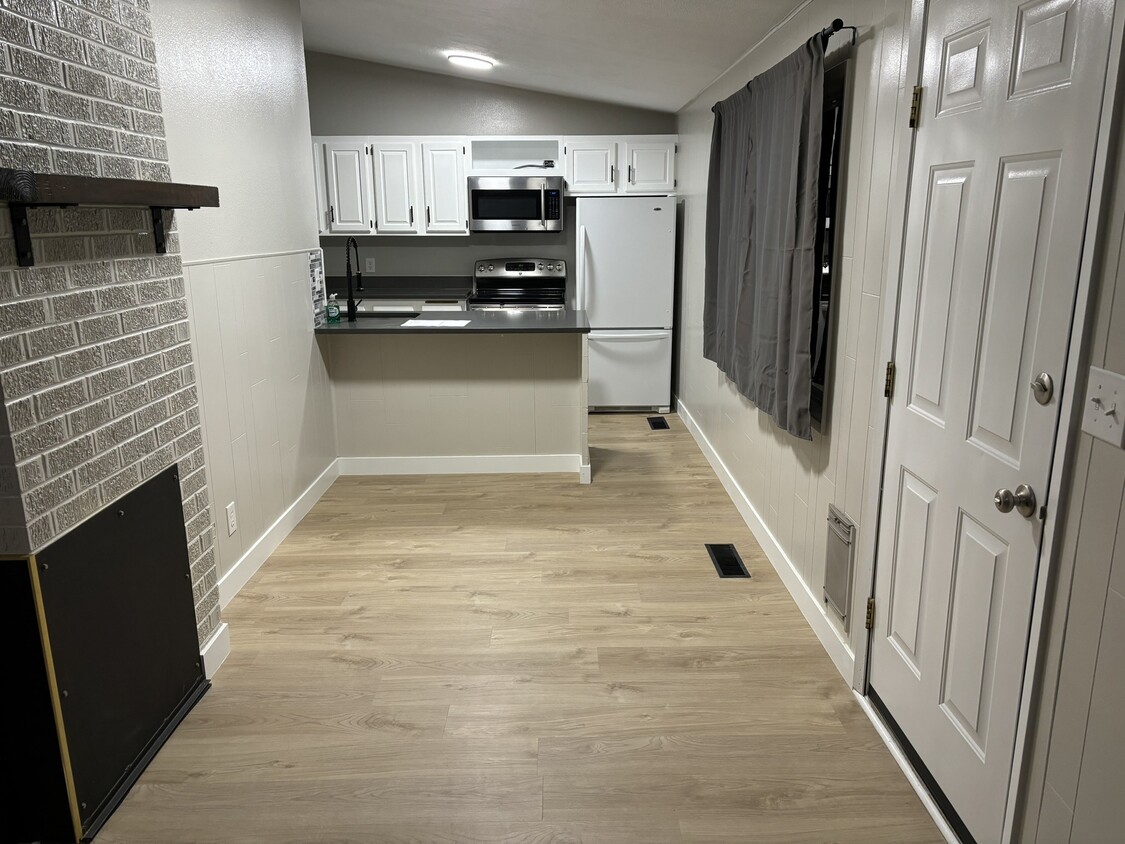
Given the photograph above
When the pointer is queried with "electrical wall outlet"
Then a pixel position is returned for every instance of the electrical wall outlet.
(1104, 414)
(369, 265)
(232, 520)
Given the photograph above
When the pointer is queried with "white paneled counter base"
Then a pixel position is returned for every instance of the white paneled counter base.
(452, 403)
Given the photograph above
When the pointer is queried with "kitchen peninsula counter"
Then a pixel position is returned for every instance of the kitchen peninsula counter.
(505, 393)
(480, 322)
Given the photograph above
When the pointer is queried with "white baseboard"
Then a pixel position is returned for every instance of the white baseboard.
(241, 572)
(215, 650)
(911, 775)
(806, 601)
(461, 465)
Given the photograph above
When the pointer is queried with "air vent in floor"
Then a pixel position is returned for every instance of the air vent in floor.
(658, 423)
(727, 561)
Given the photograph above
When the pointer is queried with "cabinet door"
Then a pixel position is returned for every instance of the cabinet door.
(591, 165)
(349, 188)
(321, 187)
(650, 166)
(395, 187)
(446, 188)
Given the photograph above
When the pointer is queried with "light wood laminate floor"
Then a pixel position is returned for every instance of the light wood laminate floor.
(524, 659)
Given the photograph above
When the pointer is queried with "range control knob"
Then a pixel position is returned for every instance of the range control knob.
(491, 267)
(540, 266)
(480, 269)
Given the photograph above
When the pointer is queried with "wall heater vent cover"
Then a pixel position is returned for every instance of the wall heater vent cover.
(839, 563)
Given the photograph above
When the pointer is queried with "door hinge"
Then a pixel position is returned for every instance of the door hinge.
(889, 382)
(915, 106)
(869, 622)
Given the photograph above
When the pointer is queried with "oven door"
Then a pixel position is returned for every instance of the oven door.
(515, 204)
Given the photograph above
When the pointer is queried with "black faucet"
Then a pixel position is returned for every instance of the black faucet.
(349, 245)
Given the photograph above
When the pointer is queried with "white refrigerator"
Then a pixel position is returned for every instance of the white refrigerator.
(625, 279)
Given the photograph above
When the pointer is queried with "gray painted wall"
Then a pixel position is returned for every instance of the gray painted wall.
(236, 117)
(353, 97)
(407, 256)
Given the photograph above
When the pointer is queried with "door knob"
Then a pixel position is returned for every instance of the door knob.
(1043, 387)
(1023, 500)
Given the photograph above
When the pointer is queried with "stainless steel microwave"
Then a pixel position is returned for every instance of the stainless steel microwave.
(515, 203)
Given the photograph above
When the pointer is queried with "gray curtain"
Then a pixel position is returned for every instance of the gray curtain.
(761, 236)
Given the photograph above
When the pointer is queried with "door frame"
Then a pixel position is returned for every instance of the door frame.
(893, 257)
(1070, 412)
(1069, 424)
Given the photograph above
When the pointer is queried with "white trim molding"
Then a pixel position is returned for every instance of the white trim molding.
(810, 607)
(215, 650)
(240, 573)
(233, 258)
(912, 777)
(462, 464)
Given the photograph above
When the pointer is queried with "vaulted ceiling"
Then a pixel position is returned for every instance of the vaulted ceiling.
(649, 53)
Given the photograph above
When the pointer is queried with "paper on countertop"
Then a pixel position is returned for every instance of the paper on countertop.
(435, 323)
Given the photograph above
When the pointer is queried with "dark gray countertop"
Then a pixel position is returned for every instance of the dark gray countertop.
(403, 287)
(480, 322)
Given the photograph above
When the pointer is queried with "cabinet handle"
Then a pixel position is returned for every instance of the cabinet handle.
(411, 215)
(332, 213)
(631, 175)
(427, 215)
(611, 174)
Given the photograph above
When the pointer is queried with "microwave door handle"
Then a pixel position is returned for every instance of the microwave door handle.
(543, 206)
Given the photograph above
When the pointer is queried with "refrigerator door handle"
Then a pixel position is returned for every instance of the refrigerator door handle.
(580, 291)
(659, 335)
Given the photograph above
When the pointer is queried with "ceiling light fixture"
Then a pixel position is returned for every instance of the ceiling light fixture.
(472, 62)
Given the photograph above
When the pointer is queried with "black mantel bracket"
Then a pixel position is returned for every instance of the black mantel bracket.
(23, 189)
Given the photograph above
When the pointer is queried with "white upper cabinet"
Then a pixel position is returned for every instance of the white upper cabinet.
(321, 187)
(443, 177)
(349, 187)
(406, 185)
(650, 164)
(396, 188)
(591, 165)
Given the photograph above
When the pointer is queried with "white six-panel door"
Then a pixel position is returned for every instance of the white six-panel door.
(1000, 187)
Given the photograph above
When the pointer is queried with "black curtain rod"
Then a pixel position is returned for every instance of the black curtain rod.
(825, 34)
(832, 29)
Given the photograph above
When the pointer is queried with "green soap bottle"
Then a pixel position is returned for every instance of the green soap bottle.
(332, 310)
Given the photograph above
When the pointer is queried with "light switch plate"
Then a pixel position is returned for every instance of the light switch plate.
(1104, 413)
(232, 519)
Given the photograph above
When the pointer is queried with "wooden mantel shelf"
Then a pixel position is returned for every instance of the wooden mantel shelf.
(23, 189)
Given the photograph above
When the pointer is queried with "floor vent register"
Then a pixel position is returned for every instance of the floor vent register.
(727, 561)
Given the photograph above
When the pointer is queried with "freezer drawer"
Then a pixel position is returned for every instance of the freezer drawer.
(630, 368)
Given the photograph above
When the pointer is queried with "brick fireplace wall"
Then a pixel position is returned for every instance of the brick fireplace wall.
(97, 383)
